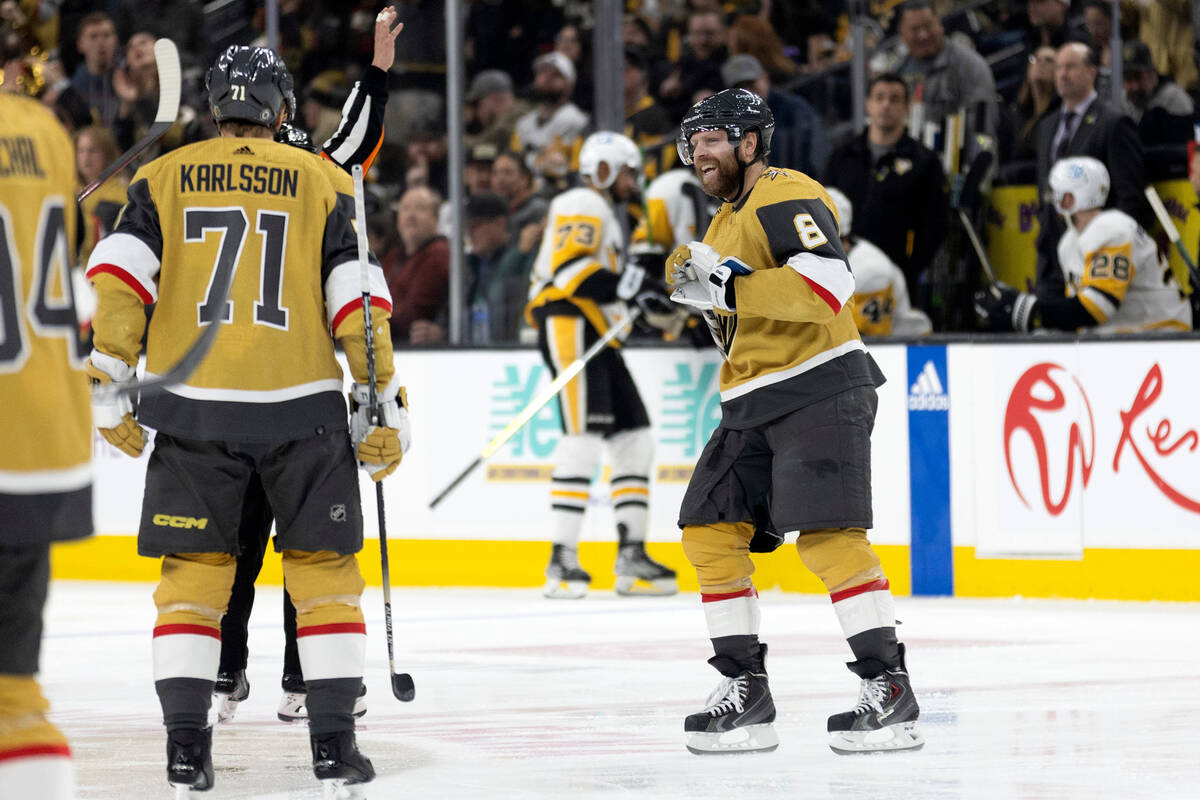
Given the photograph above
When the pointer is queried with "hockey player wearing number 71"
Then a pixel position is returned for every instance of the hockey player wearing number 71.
(793, 450)
(275, 223)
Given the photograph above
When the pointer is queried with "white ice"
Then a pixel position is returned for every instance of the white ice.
(521, 697)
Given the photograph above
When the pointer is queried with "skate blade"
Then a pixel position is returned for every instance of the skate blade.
(628, 586)
(564, 590)
(338, 789)
(227, 709)
(890, 739)
(360, 708)
(747, 739)
(186, 792)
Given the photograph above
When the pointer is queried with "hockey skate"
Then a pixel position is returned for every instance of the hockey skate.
(339, 765)
(740, 712)
(230, 689)
(885, 718)
(565, 579)
(638, 574)
(292, 706)
(189, 761)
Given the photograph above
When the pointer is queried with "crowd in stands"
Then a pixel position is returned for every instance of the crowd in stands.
(1027, 81)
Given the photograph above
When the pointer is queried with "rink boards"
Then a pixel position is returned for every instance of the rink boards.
(1055, 469)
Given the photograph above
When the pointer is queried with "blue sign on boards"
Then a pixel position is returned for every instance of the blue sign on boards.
(931, 550)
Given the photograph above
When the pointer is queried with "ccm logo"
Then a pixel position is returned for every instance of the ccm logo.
(168, 521)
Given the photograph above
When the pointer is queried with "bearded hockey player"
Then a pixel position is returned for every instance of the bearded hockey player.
(1116, 280)
(45, 431)
(881, 306)
(265, 404)
(581, 285)
(797, 394)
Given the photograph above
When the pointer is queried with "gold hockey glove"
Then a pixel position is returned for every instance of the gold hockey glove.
(381, 447)
(113, 413)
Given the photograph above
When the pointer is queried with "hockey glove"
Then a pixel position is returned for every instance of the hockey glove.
(1001, 308)
(112, 413)
(703, 279)
(379, 448)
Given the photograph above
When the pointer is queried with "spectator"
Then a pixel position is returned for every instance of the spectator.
(493, 109)
(699, 67)
(1035, 100)
(799, 142)
(1085, 125)
(1167, 29)
(512, 179)
(477, 171)
(95, 149)
(497, 273)
(943, 75)
(426, 150)
(97, 43)
(418, 273)
(569, 41)
(646, 122)
(754, 36)
(551, 134)
(1049, 25)
(1161, 110)
(895, 183)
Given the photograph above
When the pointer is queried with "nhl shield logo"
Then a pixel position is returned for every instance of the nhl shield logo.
(337, 513)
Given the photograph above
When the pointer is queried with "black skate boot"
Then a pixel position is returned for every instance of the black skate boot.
(189, 760)
(564, 577)
(638, 574)
(885, 718)
(740, 711)
(339, 765)
(230, 689)
(292, 706)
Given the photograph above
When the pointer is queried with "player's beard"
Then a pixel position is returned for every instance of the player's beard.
(722, 182)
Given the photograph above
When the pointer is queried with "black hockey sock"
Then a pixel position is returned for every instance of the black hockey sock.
(185, 702)
(745, 650)
(877, 644)
(331, 704)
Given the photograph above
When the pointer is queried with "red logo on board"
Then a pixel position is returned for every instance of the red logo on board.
(1159, 438)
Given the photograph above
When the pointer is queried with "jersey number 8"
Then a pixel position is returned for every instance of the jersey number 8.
(811, 235)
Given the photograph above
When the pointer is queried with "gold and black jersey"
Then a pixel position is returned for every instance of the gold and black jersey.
(281, 220)
(45, 430)
(792, 340)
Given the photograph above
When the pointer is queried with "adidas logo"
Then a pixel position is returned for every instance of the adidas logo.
(927, 393)
(244, 150)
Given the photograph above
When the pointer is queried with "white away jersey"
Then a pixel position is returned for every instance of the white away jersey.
(881, 306)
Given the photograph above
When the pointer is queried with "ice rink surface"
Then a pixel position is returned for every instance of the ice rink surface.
(521, 697)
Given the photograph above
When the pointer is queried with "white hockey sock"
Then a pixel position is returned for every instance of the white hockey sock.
(732, 613)
(575, 461)
(47, 773)
(631, 453)
(865, 607)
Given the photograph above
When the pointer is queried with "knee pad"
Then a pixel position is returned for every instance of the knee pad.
(841, 557)
(721, 555)
(577, 455)
(325, 587)
(631, 452)
(23, 723)
(194, 589)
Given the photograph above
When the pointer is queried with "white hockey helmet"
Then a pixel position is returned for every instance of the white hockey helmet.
(1082, 177)
(845, 210)
(613, 149)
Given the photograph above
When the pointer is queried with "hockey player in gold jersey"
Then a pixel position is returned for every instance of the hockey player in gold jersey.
(582, 284)
(264, 404)
(792, 452)
(45, 431)
(1116, 280)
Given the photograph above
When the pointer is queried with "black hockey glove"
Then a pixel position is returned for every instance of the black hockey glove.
(1001, 309)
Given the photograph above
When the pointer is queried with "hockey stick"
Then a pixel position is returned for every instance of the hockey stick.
(402, 683)
(166, 57)
(535, 405)
(968, 196)
(1172, 232)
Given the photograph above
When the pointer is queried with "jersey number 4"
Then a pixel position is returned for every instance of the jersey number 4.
(231, 225)
(52, 299)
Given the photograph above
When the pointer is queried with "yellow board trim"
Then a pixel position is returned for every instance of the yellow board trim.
(1111, 574)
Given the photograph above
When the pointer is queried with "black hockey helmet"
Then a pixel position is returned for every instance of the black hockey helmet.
(734, 111)
(296, 137)
(250, 84)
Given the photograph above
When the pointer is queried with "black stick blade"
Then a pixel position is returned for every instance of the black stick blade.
(403, 688)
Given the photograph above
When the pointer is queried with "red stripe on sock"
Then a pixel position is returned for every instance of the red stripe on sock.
(333, 627)
(195, 630)
(716, 598)
(874, 586)
(35, 750)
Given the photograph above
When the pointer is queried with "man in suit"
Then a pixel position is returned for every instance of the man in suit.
(1085, 125)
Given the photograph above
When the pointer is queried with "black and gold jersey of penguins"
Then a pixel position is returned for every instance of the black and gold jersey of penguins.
(282, 220)
(792, 340)
(45, 430)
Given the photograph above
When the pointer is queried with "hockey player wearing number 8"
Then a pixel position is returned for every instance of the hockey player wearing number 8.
(582, 284)
(793, 450)
(275, 224)
(1116, 280)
